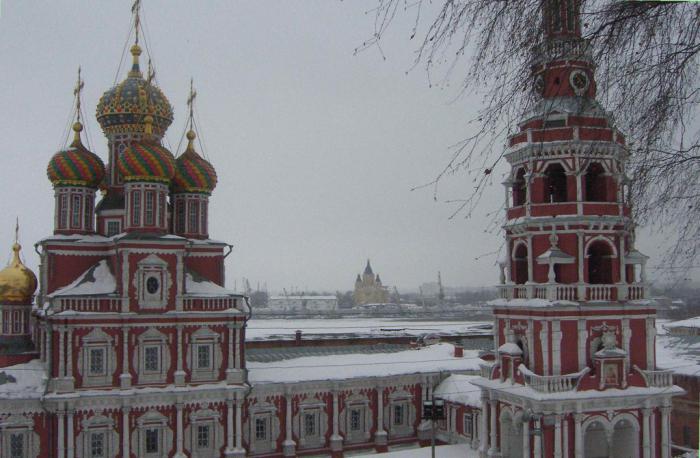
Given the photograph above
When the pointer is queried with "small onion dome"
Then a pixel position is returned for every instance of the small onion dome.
(146, 160)
(122, 107)
(76, 166)
(193, 173)
(17, 282)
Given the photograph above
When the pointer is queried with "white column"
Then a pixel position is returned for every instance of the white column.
(537, 449)
(493, 450)
(125, 432)
(69, 355)
(60, 447)
(483, 428)
(646, 412)
(526, 439)
(239, 422)
(652, 431)
(556, 347)
(180, 372)
(231, 363)
(380, 410)
(530, 259)
(229, 426)
(557, 436)
(581, 286)
(178, 441)
(578, 435)
(651, 344)
(566, 436)
(544, 342)
(582, 337)
(61, 352)
(237, 346)
(288, 446)
(665, 426)
(336, 438)
(476, 434)
(70, 439)
(125, 377)
(622, 262)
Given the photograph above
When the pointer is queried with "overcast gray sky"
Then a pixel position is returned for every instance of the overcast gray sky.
(316, 148)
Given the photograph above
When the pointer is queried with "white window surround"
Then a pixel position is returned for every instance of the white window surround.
(152, 420)
(360, 403)
(151, 338)
(468, 425)
(211, 420)
(19, 426)
(316, 408)
(97, 340)
(403, 399)
(267, 412)
(97, 424)
(206, 338)
(113, 227)
(152, 270)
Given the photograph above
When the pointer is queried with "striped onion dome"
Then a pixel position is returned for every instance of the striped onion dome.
(193, 173)
(146, 160)
(123, 107)
(76, 166)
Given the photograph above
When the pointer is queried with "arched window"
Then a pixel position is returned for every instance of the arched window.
(520, 265)
(596, 189)
(600, 264)
(555, 184)
(519, 189)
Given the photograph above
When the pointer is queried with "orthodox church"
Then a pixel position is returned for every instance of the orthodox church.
(369, 288)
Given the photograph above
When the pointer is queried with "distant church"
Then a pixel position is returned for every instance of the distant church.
(369, 288)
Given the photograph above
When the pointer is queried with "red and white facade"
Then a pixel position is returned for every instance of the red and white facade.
(575, 372)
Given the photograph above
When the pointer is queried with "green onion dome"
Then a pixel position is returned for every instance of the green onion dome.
(76, 166)
(123, 107)
(193, 173)
(146, 160)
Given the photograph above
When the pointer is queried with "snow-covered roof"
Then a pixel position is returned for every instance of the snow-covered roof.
(510, 348)
(689, 323)
(681, 354)
(458, 388)
(26, 381)
(442, 451)
(433, 358)
(529, 303)
(98, 279)
(202, 287)
(306, 298)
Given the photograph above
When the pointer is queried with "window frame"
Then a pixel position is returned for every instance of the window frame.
(95, 350)
(149, 349)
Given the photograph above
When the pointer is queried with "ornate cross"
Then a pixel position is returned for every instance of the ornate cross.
(76, 92)
(190, 100)
(136, 10)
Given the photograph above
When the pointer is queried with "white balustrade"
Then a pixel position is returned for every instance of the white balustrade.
(658, 378)
(551, 383)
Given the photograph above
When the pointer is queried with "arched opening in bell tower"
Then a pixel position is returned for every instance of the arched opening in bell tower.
(520, 264)
(555, 183)
(599, 258)
(595, 443)
(519, 189)
(596, 187)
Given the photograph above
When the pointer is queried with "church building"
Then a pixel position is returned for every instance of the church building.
(369, 288)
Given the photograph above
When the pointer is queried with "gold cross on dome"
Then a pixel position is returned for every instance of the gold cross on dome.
(190, 100)
(76, 92)
(136, 10)
(17, 230)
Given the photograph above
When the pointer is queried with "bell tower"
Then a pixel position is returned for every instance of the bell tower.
(574, 373)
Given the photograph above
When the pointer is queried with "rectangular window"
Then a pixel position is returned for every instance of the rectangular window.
(88, 212)
(75, 210)
(203, 206)
(260, 429)
(17, 445)
(468, 425)
(309, 424)
(203, 436)
(355, 420)
(152, 440)
(63, 211)
(113, 228)
(161, 210)
(180, 222)
(97, 445)
(136, 208)
(149, 211)
(152, 359)
(17, 322)
(203, 357)
(194, 217)
(97, 361)
(398, 415)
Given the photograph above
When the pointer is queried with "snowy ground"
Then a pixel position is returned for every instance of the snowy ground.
(441, 451)
(263, 329)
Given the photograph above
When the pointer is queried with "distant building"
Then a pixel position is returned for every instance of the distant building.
(303, 303)
(369, 288)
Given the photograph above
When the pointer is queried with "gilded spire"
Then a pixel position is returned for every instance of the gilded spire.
(77, 126)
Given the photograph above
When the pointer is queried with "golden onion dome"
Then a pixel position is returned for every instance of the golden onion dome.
(17, 281)
(123, 107)
(193, 173)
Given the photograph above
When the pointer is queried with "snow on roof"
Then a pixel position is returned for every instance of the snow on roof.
(202, 287)
(441, 451)
(281, 298)
(433, 358)
(689, 323)
(529, 303)
(264, 329)
(98, 279)
(26, 380)
(458, 388)
(681, 354)
(79, 238)
(510, 348)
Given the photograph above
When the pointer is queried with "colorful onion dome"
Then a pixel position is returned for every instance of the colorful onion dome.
(123, 107)
(193, 173)
(17, 281)
(76, 166)
(146, 160)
